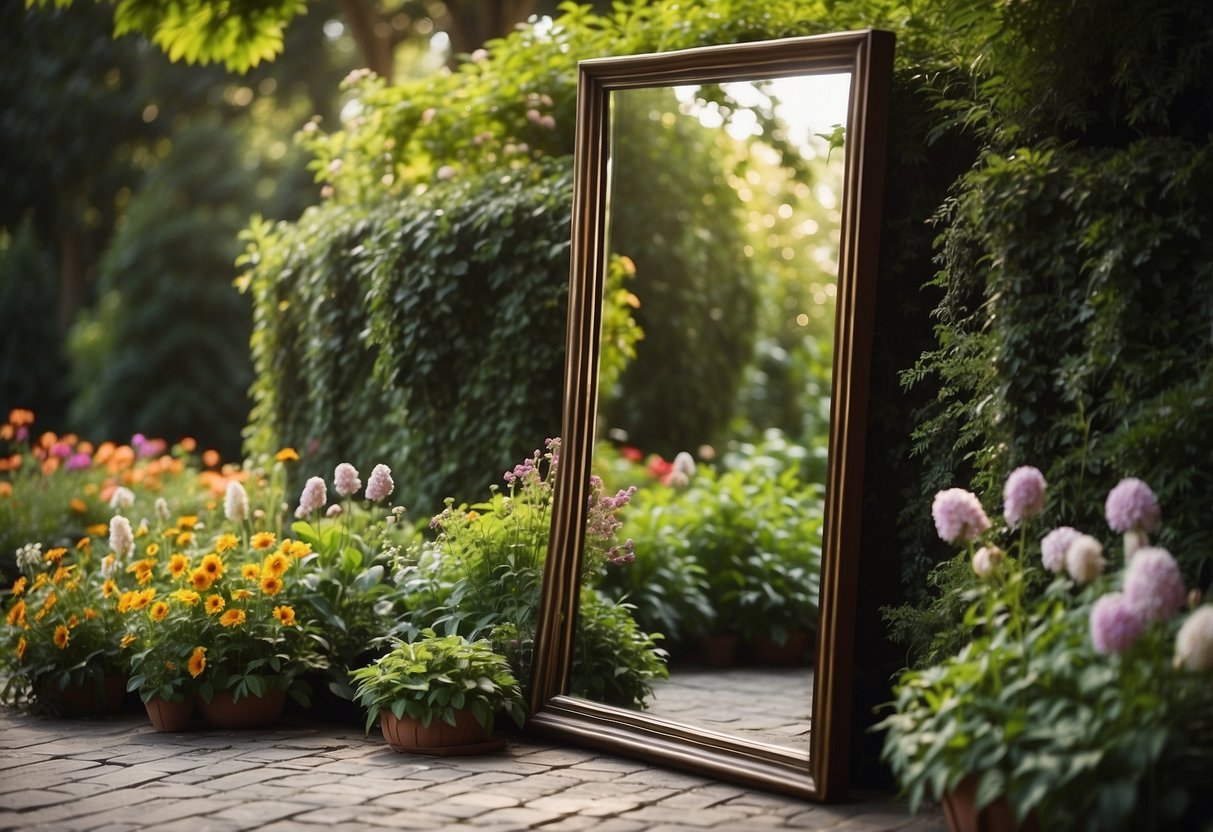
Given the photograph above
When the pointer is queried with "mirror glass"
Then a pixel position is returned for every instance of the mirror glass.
(716, 405)
(724, 247)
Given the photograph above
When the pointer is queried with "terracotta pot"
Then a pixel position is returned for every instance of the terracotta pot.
(91, 698)
(794, 650)
(960, 810)
(408, 735)
(718, 651)
(170, 717)
(247, 712)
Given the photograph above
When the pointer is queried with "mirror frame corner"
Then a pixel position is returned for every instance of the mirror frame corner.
(823, 776)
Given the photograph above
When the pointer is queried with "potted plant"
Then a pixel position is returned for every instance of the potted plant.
(438, 694)
(1084, 705)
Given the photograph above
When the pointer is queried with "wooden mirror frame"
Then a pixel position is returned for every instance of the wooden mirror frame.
(822, 773)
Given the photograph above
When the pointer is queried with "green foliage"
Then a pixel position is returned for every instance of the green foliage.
(436, 676)
(615, 660)
(32, 367)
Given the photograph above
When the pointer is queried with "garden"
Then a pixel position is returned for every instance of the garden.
(281, 390)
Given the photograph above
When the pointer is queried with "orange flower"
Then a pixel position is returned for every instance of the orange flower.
(212, 565)
(84, 544)
(19, 417)
(50, 465)
(62, 637)
(55, 555)
(77, 505)
(188, 444)
(264, 540)
(201, 580)
(271, 585)
(231, 618)
(210, 458)
(19, 585)
(40, 580)
(73, 622)
(16, 614)
(6, 431)
(89, 613)
(171, 667)
(50, 602)
(21, 645)
(285, 615)
(214, 604)
(98, 530)
(287, 455)
(250, 572)
(226, 542)
(197, 662)
(187, 597)
(6, 488)
(62, 572)
(275, 565)
(128, 640)
(158, 612)
(178, 565)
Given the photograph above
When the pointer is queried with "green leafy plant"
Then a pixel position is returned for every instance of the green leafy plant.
(435, 676)
(615, 661)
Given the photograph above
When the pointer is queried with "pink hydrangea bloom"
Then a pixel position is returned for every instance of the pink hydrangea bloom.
(1084, 559)
(1054, 546)
(1194, 642)
(1132, 505)
(959, 517)
(346, 480)
(313, 498)
(1116, 622)
(379, 486)
(1153, 583)
(1023, 495)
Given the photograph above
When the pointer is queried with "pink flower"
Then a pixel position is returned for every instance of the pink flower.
(959, 517)
(1054, 545)
(313, 498)
(1132, 505)
(1084, 559)
(1194, 642)
(1116, 622)
(1024, 495)
(379, 486)
(79, 462)
(1153, 583)
(345, 478)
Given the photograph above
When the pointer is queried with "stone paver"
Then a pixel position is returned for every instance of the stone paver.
(117, 775)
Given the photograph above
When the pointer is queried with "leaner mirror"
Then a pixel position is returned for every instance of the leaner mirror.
(732, 194)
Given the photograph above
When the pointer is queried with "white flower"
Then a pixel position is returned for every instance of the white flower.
(162, 511)
(235, 502)
(122, 539)
(986, 561)
(379, 485)
(333, 511)
(122, 498)
(29, 557)
(1084, 559)
(1194, 642)
(345, 478)
(313, 498)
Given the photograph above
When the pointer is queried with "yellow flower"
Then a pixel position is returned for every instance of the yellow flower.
(128, 640)
(226, 542)
(212, 565)
(287, 455)
(201, 580)
(143, 598)
(296, 549)
(159, 611)
(62, 572)
(187, 521)
(187, 597)
(73, 622)
(250, 572)
(77, 505)
(16, 614)
(275, 565)
(231, 618)
(152, 549)
(61, 637)
(197, 662)
(285, 615)
(170, 532)
(271, 585)
(185, 538)
(264, 540)
(141, 531)
(214, 604)
(50, 602)
(98, 530)
(241, 594)
(126, 600)
(21, 645)
(19, 585)
(55, 555)
(84, 544)
(40, 580)
(108, 588)
(178, 565)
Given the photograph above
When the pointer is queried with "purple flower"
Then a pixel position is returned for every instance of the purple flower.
(1054, 545)
(1084, 559)
(619, 555)
(346, 480)
(1132, 505)
(61, 450)
(1194, 642)
(313, 498)
(379, 485)
(79, 462)
(959, 517)
(1116, 622)
(1154, 585)
(1024, 495)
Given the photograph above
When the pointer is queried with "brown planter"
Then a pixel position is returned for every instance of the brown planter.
(247, 712)
(794, 650)
(170, 717)
(960, 810)
(409, 736)
(90, 698)
(718, 651)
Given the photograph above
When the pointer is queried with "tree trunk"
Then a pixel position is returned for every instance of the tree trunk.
(373, 36)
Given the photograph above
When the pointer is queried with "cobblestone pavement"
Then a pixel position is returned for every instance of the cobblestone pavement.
(118, 774)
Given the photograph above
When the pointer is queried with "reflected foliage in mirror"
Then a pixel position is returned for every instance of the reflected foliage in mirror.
(733, 210)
